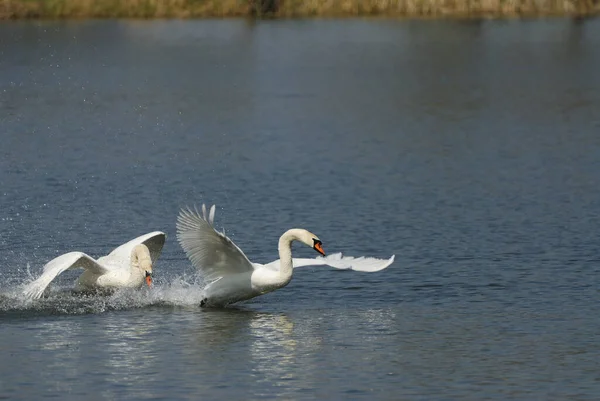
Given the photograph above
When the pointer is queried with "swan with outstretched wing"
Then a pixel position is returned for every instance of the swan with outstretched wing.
(128, 266)
(338, 261)
(230, 275)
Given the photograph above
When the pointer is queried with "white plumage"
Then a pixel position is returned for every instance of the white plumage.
(129, 265)
(338, 261)
(232, 277)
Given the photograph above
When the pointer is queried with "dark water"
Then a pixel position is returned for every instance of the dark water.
(470, 150)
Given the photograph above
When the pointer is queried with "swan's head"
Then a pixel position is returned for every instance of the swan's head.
(140, 259)
(313, 241)
(318, 246)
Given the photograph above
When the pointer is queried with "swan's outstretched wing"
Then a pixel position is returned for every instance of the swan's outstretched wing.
(361, 264)
(154, 241)
(58, 265)
(211, 252)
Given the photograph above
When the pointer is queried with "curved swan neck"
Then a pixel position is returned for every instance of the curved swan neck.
(140, 258)
(286, 266)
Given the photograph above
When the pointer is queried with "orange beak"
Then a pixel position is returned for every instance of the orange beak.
(319, 248)
(149, 279)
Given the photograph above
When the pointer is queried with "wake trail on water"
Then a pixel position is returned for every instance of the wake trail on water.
(177, 291)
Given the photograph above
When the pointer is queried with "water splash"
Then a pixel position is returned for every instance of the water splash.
(179, 291)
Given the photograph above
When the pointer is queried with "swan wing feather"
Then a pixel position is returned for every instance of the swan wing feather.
(154, 241)
(211, 252)
(56, 266)
(338, 261)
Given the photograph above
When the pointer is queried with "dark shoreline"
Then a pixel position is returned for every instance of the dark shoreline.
(181, 9)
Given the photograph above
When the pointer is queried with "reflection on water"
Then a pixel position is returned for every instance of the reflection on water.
(130, 350)
(221, 327)
(62, 340)
(273, 350)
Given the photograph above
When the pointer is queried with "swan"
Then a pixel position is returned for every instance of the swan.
(230, 275)
(128, 266)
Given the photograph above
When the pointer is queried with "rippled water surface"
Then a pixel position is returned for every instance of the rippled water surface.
(470, 150)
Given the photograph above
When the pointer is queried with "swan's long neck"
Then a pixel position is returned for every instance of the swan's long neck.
(140, 259)
(286, 266)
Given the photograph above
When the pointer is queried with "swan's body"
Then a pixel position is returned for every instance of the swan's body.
(232, 277)
(128, 266)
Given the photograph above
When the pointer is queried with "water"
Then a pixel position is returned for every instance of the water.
(468, 149)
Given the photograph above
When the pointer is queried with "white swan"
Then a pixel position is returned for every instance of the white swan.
(232, 277)
(128, 266)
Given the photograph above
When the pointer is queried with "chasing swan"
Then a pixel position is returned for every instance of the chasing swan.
(128, 266)
(232, 277)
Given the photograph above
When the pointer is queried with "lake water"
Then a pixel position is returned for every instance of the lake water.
(470, 150)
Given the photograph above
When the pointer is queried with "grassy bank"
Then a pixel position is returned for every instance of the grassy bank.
(19, 9)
